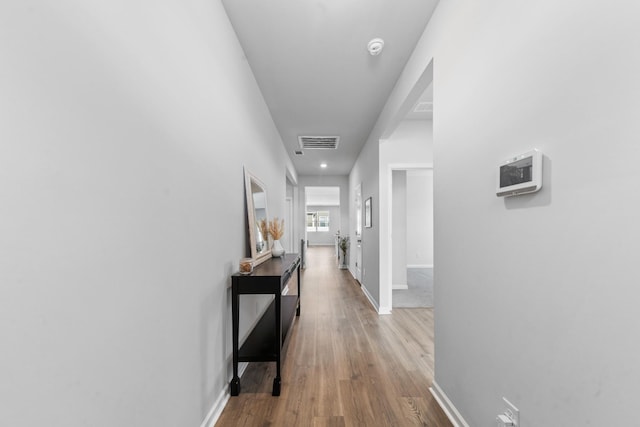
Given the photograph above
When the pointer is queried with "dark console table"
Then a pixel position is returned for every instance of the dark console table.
(266, 341)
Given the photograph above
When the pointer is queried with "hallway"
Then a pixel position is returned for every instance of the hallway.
(345, 365)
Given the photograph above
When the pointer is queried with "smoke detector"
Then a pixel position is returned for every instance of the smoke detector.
(375, 46)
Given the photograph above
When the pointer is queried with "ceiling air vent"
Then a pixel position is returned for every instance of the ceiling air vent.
(423, 107)
(319, 142)
(299, 153)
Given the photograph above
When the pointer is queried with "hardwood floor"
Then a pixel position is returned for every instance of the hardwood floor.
(345, 364)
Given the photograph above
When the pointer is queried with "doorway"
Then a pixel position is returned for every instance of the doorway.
(412, 237)
(322, 216)
(406, 144)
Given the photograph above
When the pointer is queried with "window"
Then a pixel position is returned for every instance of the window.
(323, 221)
(311, 221)
(318, 221)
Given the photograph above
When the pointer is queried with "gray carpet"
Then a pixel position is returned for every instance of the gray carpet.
(420, 292)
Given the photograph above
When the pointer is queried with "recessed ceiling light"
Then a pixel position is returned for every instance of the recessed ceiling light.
(323, 165)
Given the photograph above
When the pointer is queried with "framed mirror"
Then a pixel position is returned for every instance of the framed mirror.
(257, 216)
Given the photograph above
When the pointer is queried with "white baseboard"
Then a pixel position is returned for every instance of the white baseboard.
(366, 293)
(216, 410)
(384, 310)
(218, 406)
(379, 310)
(399, 287)
(420, 266)
(447, 406)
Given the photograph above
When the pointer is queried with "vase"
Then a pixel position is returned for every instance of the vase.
(343, 261)
(277, 250)
(246, 265)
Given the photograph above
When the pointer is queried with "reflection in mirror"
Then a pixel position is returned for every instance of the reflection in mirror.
(257, 216)
(260, 212)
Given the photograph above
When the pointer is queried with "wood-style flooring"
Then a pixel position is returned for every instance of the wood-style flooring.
(345, 364)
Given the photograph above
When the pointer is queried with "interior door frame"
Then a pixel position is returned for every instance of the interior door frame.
(358, 233)
(388, 238)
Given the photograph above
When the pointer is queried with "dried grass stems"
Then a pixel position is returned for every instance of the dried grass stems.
(264, 229)
(276, 228)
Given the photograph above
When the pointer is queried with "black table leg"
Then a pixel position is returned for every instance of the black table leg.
(276, 380)
(299, 298)
(276, 386)
(234, 385)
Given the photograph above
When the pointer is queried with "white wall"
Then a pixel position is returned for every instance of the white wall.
(399, 238)
(536, 295)
(365, 173)
(419, 219)
(125, 128)
(410, 144)
(289, 240)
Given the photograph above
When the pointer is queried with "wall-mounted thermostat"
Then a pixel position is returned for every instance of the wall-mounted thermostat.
(520, 174)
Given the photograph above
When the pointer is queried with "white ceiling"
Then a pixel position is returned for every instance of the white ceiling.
(310, 60)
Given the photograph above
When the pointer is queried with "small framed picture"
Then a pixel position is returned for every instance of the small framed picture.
(367, 213)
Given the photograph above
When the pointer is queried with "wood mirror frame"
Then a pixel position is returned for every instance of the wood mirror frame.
(256, 194)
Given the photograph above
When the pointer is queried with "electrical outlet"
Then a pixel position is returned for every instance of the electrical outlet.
(510, 416)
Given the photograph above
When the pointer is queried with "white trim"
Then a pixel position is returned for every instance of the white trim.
(218, 406)
(447, 406)
(420, 266)
(366, 293)
(379, 310)
(409, 166)
(400, 287)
